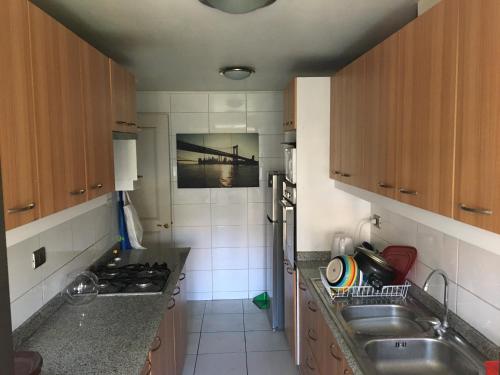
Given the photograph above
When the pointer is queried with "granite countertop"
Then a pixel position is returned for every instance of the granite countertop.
(111, 335)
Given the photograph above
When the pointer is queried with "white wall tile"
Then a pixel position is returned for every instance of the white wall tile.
(257, 279)
(187, 123)
(230, 280)
(83, 228)
(22, 276)
(26, 305)
(269, 164)
(257, 257)
(257, 213)
(58, 243)
(265, 101)
(153, 101)
(260, 194)
(269, 235)
(229, 236)
(479, 272)
(190, 196)
(228, 122)
(265, 122)
(270, 146)
(191, 215)
(229, 214)
(254, 293)
(189, 102)
(479, 314)
(102, 221)
(198, 281)
(256, 235)
(194, 237)
(230, 295)
(199, 260)
(233, 258)
(227, 196)
(198, 296)
(227, 102)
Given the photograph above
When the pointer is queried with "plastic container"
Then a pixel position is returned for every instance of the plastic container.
(492, 367)
(262, 301)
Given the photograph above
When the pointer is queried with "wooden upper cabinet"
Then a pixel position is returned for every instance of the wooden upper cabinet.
(290, 106)
(477, 177)
(427, 61)
(122, 98)
(17, 136)
(352, 122)
(380, 139)
(97, 107)
(336, 96)
(59, 115)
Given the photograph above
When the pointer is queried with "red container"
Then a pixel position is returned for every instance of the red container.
(492, 367)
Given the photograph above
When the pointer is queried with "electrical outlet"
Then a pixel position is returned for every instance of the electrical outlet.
(38, 257)
(377, 221)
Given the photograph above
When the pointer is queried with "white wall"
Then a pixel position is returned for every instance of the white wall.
(322, 209)
(224, 227)
(452, 246)
(73, 239)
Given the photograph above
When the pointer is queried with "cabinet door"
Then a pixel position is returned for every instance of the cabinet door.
(379, 141)
(477, 183)
(97, 107)
(162, 353)
(180, 325)
(427, 54)
(59, 116)
(290, 306)
(337, 111)
(121, 99)
(17, 135)
(131, 101)
(352, 123)
(292, 104)
(285, 109)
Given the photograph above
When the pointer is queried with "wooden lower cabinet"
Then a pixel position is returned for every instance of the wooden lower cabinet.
(180, 325)
(290, 299)
(319, 351)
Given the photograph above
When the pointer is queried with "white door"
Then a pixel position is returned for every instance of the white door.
(152, 199)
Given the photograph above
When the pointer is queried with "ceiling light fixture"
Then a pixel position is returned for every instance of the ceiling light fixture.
(236, 72)
(237, 6)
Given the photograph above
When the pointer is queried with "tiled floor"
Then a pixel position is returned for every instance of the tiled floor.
(234, 337)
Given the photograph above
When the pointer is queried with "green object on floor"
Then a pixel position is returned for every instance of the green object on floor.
(261, 301)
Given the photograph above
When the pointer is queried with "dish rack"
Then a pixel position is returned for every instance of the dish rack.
(364, 291)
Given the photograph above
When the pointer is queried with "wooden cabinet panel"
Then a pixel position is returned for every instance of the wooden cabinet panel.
(309, 365)
(336, 113)
(290, 299)
(59, 113)
(180, 322)
(162, 353)
(17, 134)
(122, 98)
(97, 107)
(427, 60)
(131, 100)
(380, 138)
(477, 179)
(290, 106)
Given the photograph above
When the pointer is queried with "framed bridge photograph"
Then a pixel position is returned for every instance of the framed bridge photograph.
(217, 160)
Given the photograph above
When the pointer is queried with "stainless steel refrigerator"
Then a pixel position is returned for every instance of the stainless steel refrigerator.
(274, 250)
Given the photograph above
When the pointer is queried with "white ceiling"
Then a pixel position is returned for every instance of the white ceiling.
(179, 45)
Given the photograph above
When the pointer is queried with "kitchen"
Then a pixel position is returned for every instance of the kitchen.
(252, 195)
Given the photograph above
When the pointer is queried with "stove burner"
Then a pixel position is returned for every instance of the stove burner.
(143, 283)
(110, 273)
(103, 284)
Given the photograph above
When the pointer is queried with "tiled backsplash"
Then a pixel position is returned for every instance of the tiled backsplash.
(224, 227)
(70, 246)
(474, 272)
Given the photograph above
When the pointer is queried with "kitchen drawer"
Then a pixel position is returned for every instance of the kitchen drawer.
(330, 356)
(308, 365)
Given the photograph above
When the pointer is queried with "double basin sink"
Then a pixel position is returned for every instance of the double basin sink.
(399, 339)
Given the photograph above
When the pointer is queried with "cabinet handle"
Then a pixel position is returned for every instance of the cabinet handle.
(333, 354)
(302, 286)
(182, 276)
(312, 368)
(337, 173)
(347, 371)
(289, 270)
(176, 291)
(311, 334)
(170, 307)
(481, 211)
(16, 210)
(149, 364)
(78, 192)
(131, 124)
(156, 347)
(311, 306)
(98, 186)
(166, 226)
(385, 186)
(122, 122)
(345, 175)
(409, 192)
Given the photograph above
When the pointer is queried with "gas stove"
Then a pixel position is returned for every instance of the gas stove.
(131, 279)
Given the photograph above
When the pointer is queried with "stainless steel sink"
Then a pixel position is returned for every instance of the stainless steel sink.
(427, 356)
(382, 320)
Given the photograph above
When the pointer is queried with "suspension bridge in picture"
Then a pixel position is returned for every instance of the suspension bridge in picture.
(218, 156)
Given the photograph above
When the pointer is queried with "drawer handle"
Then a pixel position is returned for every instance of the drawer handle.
(78, 192)
(407, 191)
(345, 175)
(182, 276)
(122, 122)
(170, 307)
(347, 371)
(481, 211)
(302, 286)
(385, 186)
(289, 270)
(154, 348)
(333, 352)
(337, 173)
(311, 306)
(131, 124)
(311, 334)
(176, 291)
(16, 210)
(98, 186)
(308, 364)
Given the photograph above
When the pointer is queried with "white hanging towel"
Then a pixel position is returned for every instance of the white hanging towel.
(134, 227)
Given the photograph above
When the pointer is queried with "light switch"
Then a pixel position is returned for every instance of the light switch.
(38, 257)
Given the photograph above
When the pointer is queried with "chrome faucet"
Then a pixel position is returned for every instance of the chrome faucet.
(442, 326)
